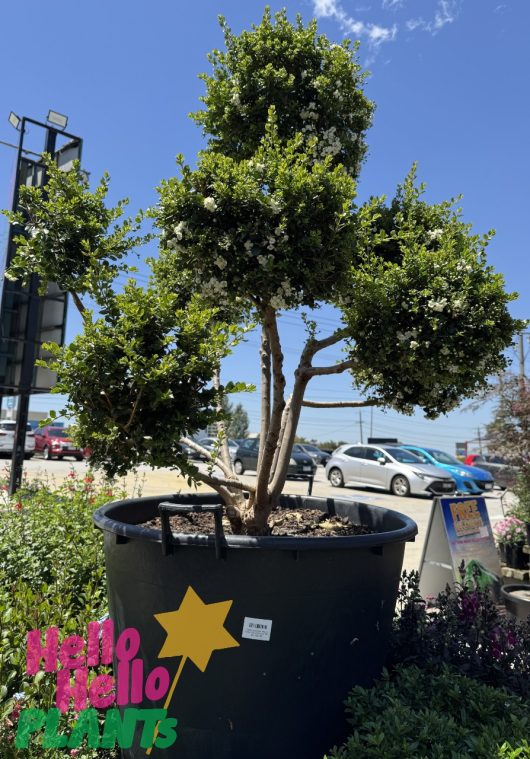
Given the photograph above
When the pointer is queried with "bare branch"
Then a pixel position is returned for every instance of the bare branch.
(265, 358)
(221, 427)
(319, 371)
(214, 482)
(134, 410)
(207, 455)
(314, 346)
(339, 404)
(268, 446)
(285, 416)
(78, 302)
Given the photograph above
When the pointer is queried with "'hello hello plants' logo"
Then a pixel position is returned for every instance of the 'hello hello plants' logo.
(194, 631)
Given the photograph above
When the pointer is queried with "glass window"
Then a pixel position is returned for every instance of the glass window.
(374, 454)
(443, 458)
(404, 457)
(355, 452)
(420, 455)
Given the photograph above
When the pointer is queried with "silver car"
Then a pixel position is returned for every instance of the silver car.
(387, 467)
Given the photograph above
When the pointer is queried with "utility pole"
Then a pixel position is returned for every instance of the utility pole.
(361, 425)
(371, 421)
(521, 360)
(479, 440)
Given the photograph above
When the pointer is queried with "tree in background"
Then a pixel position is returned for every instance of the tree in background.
(237, 421)
(509, 435)
(265, 221)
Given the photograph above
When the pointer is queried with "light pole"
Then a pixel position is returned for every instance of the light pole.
(22, 309)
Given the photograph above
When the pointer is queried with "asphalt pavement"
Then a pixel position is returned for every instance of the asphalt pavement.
(148, 481)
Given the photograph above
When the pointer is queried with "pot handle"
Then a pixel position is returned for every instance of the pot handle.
(166, 508)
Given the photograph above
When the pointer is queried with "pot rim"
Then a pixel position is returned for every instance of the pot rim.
(507, 590)
(405, 532)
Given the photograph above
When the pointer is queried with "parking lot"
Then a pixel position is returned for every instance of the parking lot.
(165, 481)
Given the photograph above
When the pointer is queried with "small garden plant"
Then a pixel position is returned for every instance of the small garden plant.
(462, 628)
(52, 572)
(266, 221)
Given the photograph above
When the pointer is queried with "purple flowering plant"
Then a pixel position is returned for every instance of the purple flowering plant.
(463, 628)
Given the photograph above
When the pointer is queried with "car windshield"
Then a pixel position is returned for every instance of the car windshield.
(57, 432)
(311, 448)
(298, 448)
(10, 426)
(443, 458)
(404, 457)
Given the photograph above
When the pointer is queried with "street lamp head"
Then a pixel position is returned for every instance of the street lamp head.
(14, 120)
(57, 119)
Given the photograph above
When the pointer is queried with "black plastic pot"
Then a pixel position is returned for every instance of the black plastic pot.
(330, 600)
(516, 557)
(517, 600)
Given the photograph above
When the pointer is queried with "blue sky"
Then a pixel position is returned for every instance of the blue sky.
(449, 78)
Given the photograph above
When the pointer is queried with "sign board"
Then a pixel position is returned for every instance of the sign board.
(459, 530)
(49, 310)
(461, 449)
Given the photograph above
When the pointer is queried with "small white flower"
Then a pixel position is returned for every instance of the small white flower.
(220, 262)
(414, 344)
(210, 204)
(437, 305)
(235, 99)
(435, 234)
(180, 229)
(248, 246)
(263, 260)
(275, 206)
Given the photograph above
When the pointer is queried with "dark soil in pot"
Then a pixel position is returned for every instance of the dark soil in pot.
(300, 522)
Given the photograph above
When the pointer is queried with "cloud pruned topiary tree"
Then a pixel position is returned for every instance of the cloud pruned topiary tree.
(266, 222)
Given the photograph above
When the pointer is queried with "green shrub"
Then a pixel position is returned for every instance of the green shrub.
(445, 716)
(52, 572)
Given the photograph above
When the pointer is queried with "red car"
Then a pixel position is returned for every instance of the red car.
(54, 442)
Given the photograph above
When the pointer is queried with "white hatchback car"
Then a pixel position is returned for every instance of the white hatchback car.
(387, 467)
(7, 437)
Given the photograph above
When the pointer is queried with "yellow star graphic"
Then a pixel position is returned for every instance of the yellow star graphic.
(196, 629)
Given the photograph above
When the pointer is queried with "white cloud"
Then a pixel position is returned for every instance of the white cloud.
(446, 12)
(374, 33)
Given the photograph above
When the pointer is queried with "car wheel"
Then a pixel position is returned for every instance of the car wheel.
(336, 479)
(46, 455)
(238, 466)
(28, 455)
(79, 458)
(400, 485)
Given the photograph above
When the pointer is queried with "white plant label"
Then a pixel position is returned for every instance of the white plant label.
(257, 629)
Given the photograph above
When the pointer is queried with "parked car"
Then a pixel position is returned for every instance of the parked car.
(210, 442)
(468, 479)
(300, 464)
(7, 438)
(319, 456)
(504, 473)
(388, 467)
(55, 442)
